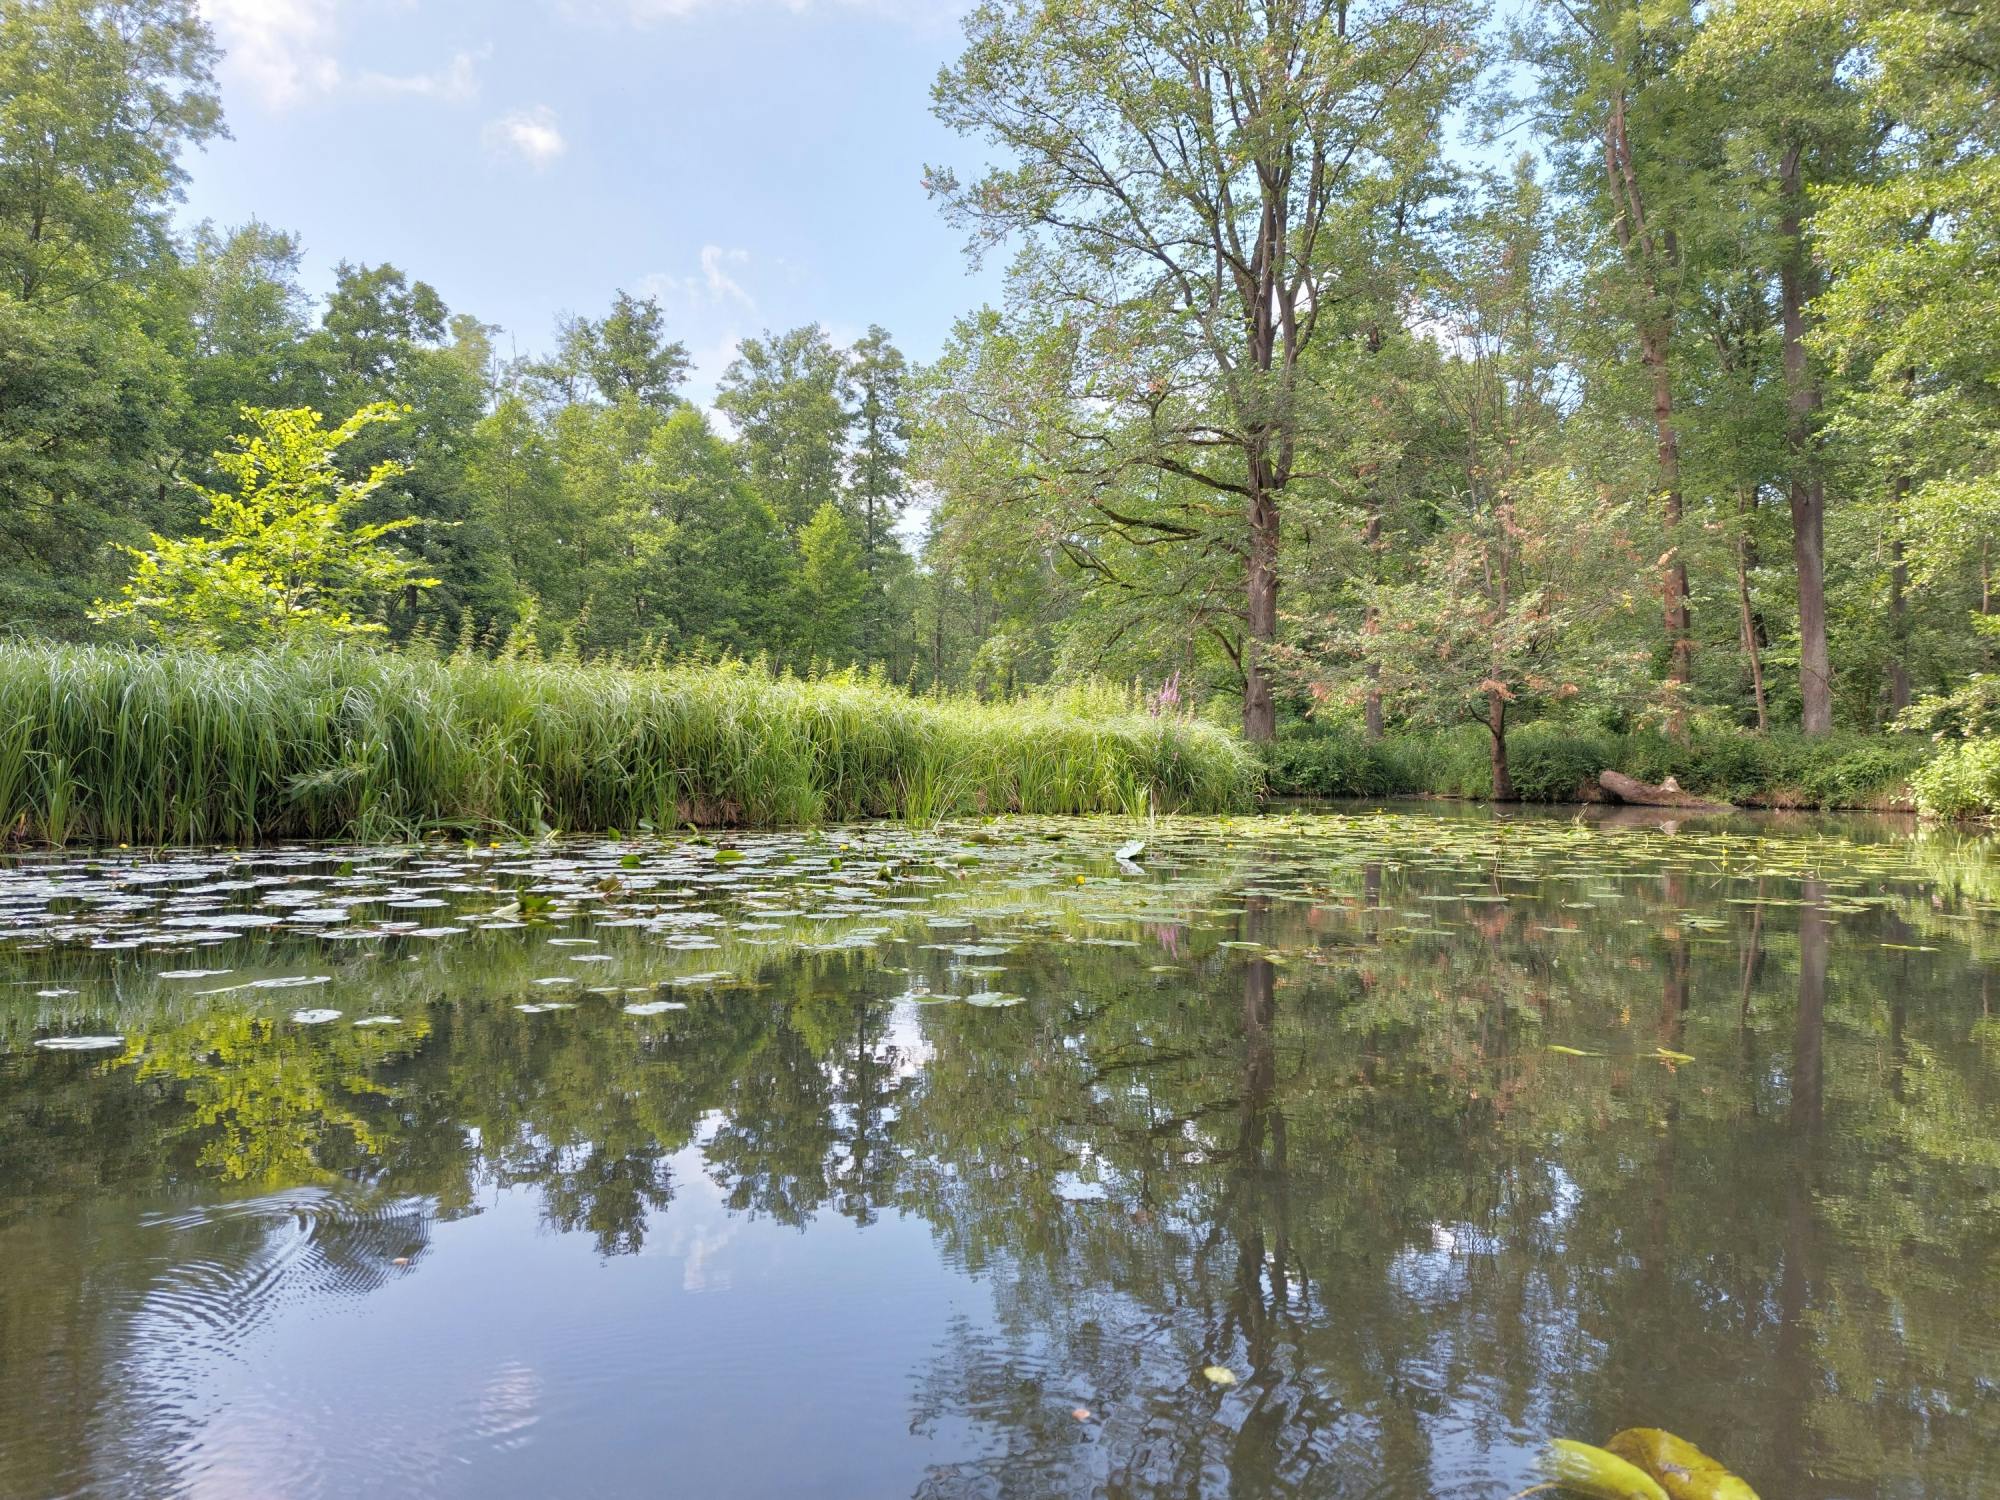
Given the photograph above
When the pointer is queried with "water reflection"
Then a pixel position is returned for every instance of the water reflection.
(1286, 1104)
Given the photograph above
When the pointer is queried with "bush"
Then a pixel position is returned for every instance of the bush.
(1554, 761)
(1961, 780)
(1552, 764)
(1330, 763)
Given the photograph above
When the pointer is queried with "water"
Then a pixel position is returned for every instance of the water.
(881, 1164)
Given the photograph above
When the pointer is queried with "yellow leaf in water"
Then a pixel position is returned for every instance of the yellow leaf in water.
(1220, 1375)
(1573, 1051)
(1597, 1473)
(1666, 1056)
(1683, 1470)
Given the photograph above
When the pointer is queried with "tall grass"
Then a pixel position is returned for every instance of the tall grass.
(144, 747)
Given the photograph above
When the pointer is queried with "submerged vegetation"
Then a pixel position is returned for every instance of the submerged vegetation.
(130, 746)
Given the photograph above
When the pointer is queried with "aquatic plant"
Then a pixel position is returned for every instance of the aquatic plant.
(151, 747)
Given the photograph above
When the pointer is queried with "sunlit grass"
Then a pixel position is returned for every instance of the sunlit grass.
(132, 746)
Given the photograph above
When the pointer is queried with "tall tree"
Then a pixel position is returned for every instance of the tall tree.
(1779, 75)
(876, 490)
(1176, 167)
(783, 392)
(1626, 134)
(99, 99)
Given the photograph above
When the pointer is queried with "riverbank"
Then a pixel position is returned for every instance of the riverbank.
(1551, 763)
(110, 745)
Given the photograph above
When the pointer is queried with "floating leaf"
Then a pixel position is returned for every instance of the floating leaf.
(1683, 1470)
(1219, 1375)
(1597, 1473)
(1572, 1051)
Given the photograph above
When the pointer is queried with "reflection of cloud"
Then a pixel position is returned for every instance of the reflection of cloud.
(700, 1242)
(282, 49)
(509, 1404)
(531, 135)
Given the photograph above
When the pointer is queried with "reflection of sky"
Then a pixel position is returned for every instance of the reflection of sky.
(514, 1360)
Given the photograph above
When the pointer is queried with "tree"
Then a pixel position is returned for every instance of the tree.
(875, 486)
(831, 590)
(783, 392)
(98, 99)
(1781, 72)
(284, 561)
(1179, 172)
(1515, 602)
(708, 560)
(1910, 317)
(877, 491)
(1629, 138)
(630, 357)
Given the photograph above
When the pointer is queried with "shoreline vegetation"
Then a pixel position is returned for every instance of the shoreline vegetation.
(122, 745)
(1556, 763)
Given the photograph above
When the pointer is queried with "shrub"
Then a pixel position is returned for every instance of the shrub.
(1962, 780)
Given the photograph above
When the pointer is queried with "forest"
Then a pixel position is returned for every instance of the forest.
(1584, 378)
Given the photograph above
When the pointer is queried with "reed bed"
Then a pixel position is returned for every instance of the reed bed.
(132, 746)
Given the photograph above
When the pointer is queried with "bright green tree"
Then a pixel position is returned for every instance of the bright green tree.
(284, 560)
(832, 588)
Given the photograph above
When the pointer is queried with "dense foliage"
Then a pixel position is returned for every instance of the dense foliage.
(1684, 423)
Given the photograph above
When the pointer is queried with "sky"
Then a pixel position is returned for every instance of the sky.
(752, 163)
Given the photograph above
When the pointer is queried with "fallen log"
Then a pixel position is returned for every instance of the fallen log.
(1622, 788)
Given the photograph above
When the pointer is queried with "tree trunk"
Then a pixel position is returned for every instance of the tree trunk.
(1371, 623)
(1899, 623)
(1752, 653)
(1673, 577)
(1805, 490)
(1496, 728)
(1260, 710)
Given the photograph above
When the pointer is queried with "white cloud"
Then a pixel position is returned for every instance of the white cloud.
(457, 82)
(714, 286)
(644, 11)
(532, 135)
(721, 285)
(282, 50)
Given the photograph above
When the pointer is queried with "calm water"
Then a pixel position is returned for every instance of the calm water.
(882, 1164)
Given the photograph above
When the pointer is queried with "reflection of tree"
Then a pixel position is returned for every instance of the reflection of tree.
(1341, 1161)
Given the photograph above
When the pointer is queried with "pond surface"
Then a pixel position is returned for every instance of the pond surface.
(882, 1163)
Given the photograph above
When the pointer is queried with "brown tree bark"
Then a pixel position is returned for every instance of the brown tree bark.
(1496, 728)
(1260, 710)
(1753, 652)
(1806, 490)
(1371, 623)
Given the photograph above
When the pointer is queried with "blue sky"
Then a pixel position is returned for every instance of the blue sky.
(753, 163)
